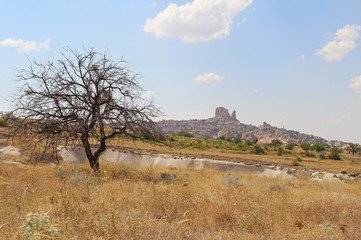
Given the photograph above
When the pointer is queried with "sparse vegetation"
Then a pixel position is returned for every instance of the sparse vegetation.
(335, 153)
(353, 148)
(257, 149)
(318, 147)
(305, 146)
(145, 203)
(276, 143)
(185, 134)
(3, 122)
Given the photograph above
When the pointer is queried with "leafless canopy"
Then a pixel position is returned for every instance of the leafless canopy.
(81, 98)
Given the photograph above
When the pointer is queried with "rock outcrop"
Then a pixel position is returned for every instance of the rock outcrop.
(224, 124)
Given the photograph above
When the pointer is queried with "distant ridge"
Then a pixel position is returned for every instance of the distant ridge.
(224, 124)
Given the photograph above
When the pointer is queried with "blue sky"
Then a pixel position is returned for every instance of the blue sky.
(290, 63)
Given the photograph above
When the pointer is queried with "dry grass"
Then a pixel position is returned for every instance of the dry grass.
(125, 202)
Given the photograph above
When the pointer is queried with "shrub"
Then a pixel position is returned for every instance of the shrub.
(257, 149)
(185, 134)
(249, 142)
(276, 187)
(322, 156)
(38, 226)
(276, 143)
(237, 140)
(305, 146)
(280, 151)
(3, 123)
(353, 148)
(222, 138)
(335, 153)
(318, 147)
(167, 177)
(290, 146)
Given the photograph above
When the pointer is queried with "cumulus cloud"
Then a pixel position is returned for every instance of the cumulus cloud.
(148, 95)
(343, 43)
(208, 78)
(201, 20)
(356, 84)
(25, 46)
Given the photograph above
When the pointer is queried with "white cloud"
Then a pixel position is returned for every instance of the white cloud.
(148, 95)
(343, 43)
(356, 84)
(201, 20)
(25, 46)
(208, 78)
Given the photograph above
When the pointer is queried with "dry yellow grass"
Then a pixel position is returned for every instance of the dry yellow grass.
(125, 202)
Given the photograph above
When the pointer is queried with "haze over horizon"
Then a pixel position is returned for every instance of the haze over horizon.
(293, 64)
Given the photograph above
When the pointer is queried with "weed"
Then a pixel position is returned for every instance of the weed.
(167, 177)
(276, 187)
(230, 181)
(38, 226)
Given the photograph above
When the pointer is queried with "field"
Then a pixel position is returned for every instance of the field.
(63, 201)
(125, 202)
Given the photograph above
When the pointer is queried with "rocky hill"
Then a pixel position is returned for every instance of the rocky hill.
(224, 124)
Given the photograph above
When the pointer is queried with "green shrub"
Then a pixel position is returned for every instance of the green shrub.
(335, 153)
(280, 151)
(222, 138)
(353, 148)
(305, 146)
(257, 149)
(237, 140)
(322, 156)
(290, 146)
(318, 147)
(249, 142)
(3, 123)
(185, 134)
(276, 143)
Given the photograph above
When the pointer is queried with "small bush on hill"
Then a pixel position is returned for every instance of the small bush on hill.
(318, 147)
(257, 149)
(185, 134)
(305, 146)
(276, 143)
(222, 138)
(249, 142)
(335, 153)
(290, 146)
(280, 151)
(237, 140)
(353, 148)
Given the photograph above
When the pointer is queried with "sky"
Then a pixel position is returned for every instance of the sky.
(294, 64)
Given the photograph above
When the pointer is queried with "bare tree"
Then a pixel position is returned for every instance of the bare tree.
(85, 98)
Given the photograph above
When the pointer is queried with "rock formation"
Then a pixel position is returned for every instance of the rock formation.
(223, 124)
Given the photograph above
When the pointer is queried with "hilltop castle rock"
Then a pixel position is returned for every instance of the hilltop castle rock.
(224, 124)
